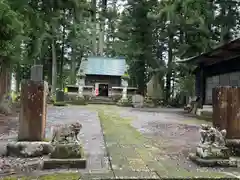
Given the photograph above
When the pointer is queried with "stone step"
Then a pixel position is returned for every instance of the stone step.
(101, 102)
(64, 163)
(106, 99)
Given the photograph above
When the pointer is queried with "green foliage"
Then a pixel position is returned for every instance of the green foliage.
(153, 32)
(60, 104)
(55, 176)
(10, 30)
(150, 34)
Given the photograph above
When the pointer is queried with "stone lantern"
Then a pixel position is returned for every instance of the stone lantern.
(81, 77)
(81, 82)
(124, 79)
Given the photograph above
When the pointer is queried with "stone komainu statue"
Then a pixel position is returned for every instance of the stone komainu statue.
(212, 136)
(64, 132)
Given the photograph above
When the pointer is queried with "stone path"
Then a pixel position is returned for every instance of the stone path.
(152, 145)
(91, 134)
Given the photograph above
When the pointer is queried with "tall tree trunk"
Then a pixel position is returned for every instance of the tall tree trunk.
(54, 67)
(169, 68)
(62, 54)
(5, 80)
(102, 27)
(73, 68)
(18, 78)
(94, 28)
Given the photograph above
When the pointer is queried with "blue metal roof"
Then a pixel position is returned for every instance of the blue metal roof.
(104, 66)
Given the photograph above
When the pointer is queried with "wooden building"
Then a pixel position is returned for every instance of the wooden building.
(103, 73)
(218, 67)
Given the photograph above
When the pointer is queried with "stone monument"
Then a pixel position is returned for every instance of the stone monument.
(138, 101)
(32, 118)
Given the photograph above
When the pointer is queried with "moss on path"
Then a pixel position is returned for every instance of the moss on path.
(132, 155)
(57, 176)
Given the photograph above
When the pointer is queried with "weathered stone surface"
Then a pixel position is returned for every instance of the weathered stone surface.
(64, 163)
(209, 152)
(66, 151)
(213, 162)
(29, 149)
(32, 120)
(37, 73)
(233, 142)
(137, 101)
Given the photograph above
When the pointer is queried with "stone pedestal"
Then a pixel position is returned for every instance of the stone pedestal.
(81, 83)
(209, 152)
(32, 119)
(124, 93)
(69, 155)
(29, 149)
(67, 151)
(80, 91)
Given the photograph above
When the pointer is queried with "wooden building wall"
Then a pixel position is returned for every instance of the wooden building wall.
(225, 73)
(112, 81)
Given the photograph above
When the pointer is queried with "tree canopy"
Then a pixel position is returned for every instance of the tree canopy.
(152, 35)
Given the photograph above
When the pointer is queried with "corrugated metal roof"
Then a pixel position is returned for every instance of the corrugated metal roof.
(104, 66)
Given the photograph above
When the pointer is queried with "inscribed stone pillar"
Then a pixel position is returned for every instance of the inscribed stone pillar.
(32, 118)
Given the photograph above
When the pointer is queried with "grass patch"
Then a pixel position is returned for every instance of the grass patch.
(59, 104)
(56, 176)
(120, 136)
(78, 102)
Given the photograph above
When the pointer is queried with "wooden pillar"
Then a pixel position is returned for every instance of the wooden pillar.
(226, 115)
(200, 81)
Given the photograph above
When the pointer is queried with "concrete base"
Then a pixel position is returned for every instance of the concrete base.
(231, 162)
(206, 110)
(64, 163)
